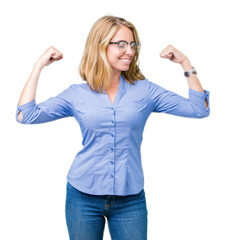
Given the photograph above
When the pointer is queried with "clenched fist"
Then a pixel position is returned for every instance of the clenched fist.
(49, 56)
(173, 54)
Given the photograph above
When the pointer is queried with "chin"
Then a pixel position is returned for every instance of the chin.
(121, 71)
(124, 69)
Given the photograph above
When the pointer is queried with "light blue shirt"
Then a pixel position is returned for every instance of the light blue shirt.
(110, 161)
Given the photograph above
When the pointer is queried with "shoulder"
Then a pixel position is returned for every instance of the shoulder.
(137, 84)
(71, 91)
(77, 86)
(79, 91)
(151, 86)
(144, 84)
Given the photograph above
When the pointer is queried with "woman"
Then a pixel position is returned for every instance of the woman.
(111, 107)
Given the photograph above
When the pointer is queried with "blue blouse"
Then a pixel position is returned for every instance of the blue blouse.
(110, 161)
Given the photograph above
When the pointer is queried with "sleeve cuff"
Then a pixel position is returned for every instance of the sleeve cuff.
(203, 95)
(26, 105)
(23, 108)
(198, 98)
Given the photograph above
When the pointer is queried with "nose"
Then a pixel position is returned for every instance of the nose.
(129, 50)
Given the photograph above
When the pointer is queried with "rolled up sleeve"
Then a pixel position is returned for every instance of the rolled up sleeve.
(52, 109)
(197, 100)
(169, 102)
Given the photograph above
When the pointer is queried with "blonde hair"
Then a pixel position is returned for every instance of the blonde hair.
(94, 67)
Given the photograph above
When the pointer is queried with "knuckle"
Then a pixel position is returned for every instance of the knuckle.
(51, 48)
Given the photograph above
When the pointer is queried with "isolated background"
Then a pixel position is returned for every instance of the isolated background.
(183, 159)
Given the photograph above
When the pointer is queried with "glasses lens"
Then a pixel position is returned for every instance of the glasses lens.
(122, 46)
(134, 46)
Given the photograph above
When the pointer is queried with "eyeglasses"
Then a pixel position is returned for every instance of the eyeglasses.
(123, 45)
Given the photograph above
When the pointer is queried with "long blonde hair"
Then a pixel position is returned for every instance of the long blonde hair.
(94, 67)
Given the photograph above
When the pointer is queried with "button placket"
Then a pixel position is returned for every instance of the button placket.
(112, 147)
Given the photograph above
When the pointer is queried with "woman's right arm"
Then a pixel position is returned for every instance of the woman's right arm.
(29, 91)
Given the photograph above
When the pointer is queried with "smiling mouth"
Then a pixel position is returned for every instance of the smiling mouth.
(125, 60)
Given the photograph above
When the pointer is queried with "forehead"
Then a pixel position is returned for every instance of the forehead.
(123, 33)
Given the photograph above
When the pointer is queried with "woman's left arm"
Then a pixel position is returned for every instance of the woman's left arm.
(174, 55)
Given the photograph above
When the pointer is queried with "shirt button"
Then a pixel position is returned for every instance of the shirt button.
(112, 135)
(112, 121)
(112, 148)
(112, 162)
(112, 175)
(112, 108)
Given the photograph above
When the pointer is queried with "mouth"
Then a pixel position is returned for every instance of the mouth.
(125, 60)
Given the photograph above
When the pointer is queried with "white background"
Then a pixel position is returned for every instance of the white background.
(183, 158)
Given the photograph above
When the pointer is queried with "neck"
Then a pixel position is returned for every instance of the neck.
(115, 78)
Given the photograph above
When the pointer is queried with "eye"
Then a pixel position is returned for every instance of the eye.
(122, 44)
(134, 45)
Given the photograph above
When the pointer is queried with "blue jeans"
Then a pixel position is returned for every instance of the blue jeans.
(86, 213)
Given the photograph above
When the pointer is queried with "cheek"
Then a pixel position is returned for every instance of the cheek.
(112, 57)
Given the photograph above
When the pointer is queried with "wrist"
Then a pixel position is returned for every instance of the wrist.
(186, 65)
(38, 66)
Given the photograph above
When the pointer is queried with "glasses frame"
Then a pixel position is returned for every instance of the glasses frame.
(124, 50)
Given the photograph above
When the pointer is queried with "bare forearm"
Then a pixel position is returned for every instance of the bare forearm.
(29, 91)
(193, 81)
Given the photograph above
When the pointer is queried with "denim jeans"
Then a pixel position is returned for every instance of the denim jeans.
(86, 213)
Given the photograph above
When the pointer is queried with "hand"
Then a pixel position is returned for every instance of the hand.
(173, 54)
(49, 56)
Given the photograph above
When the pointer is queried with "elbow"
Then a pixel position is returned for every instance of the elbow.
(200, 103)
(19, 117)
(206, 111)
(24, 112)
(201, 111)
(203, 114)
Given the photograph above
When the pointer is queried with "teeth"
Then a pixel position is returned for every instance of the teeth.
(126, 60)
